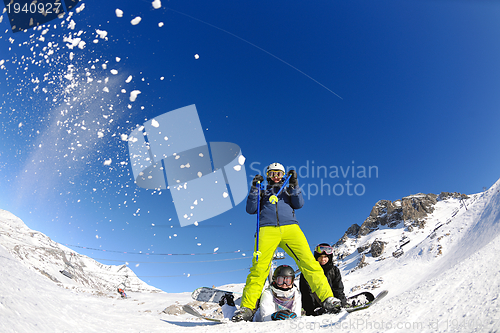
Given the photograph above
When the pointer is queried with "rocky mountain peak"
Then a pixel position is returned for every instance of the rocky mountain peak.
(411, 210)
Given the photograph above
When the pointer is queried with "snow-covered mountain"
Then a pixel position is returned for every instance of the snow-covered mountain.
(393, 228)
(62, 265)
(437, 256)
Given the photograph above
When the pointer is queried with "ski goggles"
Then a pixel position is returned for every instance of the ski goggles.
(324, 249)
(275, 173)
(281, 280)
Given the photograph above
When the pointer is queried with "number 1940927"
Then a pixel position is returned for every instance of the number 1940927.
(33, 8)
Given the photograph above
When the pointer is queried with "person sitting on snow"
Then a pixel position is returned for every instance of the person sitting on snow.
(280, 301)
(312, 306)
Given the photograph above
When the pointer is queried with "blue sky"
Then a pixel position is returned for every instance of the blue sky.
(407, 88)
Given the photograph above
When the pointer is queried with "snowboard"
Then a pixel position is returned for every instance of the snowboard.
(212, 295)
(364, 300)
(192, 311)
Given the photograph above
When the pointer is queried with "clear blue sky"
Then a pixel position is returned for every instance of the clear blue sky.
(409, 88)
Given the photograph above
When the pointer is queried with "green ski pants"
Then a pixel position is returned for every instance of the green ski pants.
(291, 239)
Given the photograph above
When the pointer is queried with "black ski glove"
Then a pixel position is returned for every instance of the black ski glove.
(283, 314)
(256, 179)
(294, 182)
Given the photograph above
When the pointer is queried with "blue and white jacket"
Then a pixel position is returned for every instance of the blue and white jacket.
(282, 213)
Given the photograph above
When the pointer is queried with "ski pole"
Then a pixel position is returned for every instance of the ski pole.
(274, 198)
(256, 253)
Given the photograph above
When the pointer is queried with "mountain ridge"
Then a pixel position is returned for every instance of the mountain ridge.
(62, 265)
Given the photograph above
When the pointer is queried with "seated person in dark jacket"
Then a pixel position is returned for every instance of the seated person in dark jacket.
(324, 255)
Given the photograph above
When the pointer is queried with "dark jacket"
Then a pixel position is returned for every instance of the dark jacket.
(310, 301)
(283, 212)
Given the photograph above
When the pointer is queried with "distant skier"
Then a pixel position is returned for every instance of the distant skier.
(310, 303)
(280, 301)
(279, 227)
(122, 293)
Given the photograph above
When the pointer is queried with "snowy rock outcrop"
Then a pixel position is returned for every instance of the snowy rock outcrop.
(411, 211)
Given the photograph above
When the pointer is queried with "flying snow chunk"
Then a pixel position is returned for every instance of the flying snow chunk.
(124, 137)
(225, 195)
(107, 162)
(197, 56)
(160, 24)
(128, 79)
(156, 4)
(79, 9)
(119, 12)
(114, 71)
(237, 167)
(133, 95)
(20, 125)
(136, 20)
(216, 249)
(155, 123)
(241, 159)
(102, 33)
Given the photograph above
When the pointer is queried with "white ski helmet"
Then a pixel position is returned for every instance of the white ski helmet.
(275, 166)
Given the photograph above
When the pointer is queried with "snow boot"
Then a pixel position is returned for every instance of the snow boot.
(242, 314)
(332, 305)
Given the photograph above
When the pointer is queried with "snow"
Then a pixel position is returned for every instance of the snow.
(156, 4)
(455, 290)
(134, 94)
(136, 20)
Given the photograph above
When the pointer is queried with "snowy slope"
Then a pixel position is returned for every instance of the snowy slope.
(38, 252)
(447, 282)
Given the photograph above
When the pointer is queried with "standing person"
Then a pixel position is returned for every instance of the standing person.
(279, 227)
(311, 305)
(280, 301)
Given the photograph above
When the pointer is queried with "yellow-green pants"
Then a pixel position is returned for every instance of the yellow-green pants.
(291, 239)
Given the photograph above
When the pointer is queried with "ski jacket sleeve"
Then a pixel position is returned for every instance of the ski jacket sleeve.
(266, 305)
(296, 198)
(297, 305)
(252, 201)
(335, 280)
